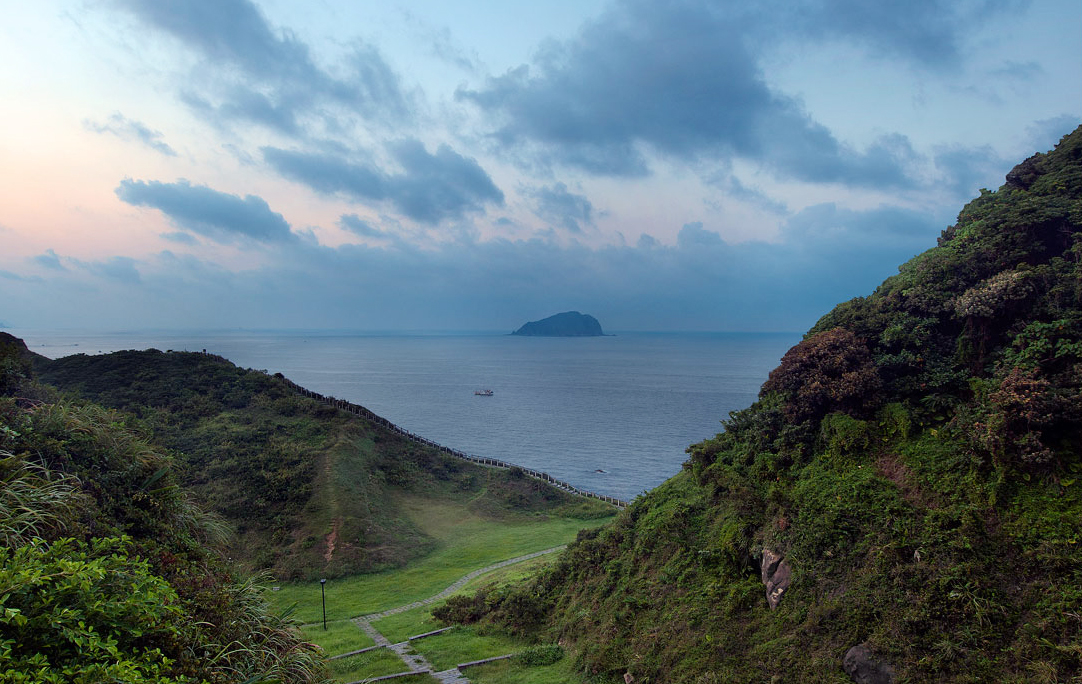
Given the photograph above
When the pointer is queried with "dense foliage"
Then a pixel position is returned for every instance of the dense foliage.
(311, 490)
(108, 572)
(915, 461)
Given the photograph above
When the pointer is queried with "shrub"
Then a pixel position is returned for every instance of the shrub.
(463, 609)
(992, 296)
(1023, 407)
(539, 656)
(827, 372)
(844, 437)
(14, 365)
(79, 613)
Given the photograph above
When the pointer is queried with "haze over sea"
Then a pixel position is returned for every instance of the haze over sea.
(610, 414)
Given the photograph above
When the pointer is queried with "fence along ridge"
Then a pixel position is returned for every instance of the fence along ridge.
(357, 410)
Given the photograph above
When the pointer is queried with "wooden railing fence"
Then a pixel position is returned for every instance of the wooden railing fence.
(356, 410)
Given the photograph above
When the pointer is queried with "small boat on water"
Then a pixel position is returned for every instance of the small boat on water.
(483, 392)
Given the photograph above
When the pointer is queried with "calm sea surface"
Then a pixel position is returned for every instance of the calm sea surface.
(609, 414)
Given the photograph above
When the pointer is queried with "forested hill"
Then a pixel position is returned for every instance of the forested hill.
(311, 491)
(108, 571)
(903, 503)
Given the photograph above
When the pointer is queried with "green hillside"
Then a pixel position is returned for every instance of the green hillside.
(108, 571)
(311, 491)
(907, 489)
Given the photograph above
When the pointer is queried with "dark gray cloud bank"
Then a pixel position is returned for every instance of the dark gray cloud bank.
(684, 80)
(700, 283)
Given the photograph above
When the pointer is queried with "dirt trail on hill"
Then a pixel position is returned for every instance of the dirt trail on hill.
(332, 539)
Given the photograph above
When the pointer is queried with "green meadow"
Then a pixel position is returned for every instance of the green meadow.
(467, 541)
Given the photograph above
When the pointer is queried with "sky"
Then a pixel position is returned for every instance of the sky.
(472, 165)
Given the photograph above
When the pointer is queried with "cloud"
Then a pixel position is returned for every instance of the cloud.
(329, 173)
(432, 187)
(269, 77)
(121, 269)
(647, 241)
(736, 189)
(556, 205)
(441, 44)
(355, 224)
(1019, 71)
(50, 260)
(702, 282)
(1046, 133)
(243, 104)
(439, 186)
(965, 170)
(825, 254)
(220, 216)
(180, 237)
(826, 228)
(128, 130)
(10, 275)
(929, 33)
(231, 31)
(679, 80)
(694, 237)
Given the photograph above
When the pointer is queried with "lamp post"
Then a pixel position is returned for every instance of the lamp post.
(323, 592)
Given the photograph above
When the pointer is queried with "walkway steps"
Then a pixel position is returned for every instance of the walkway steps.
(432, 633)
(391, 676)
(416, 662)
(353, 653)
(463, 666)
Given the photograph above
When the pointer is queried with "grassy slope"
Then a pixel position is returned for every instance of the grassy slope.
(401, 626)
(466, 539)
(291, 474)
(463, 540)
(81, 604)
(919, 470)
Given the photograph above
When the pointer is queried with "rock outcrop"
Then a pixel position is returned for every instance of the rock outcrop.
(864, 668)
(776, 576)
(567, 324)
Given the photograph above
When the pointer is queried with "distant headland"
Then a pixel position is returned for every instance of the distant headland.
(567, 324)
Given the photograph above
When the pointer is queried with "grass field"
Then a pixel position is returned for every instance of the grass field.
(401, 626)
(371, 664)
(513, 672)
(341, 636)
(462, 645)
(466, 541)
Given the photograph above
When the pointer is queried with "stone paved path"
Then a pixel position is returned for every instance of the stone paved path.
(371, 631)
(415, 661)
(452, 676)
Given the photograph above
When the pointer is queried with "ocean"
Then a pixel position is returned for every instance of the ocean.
(612, 414)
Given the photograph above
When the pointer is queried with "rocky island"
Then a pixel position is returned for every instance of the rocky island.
(567, 324)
